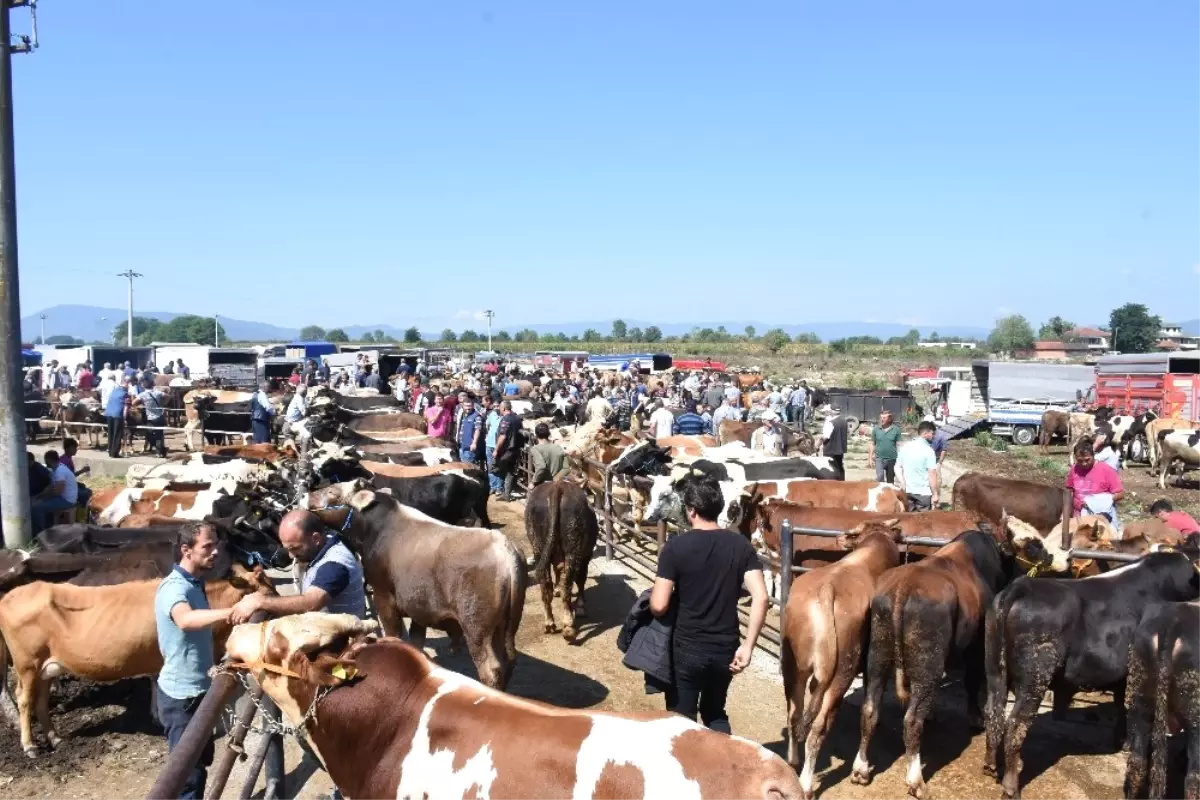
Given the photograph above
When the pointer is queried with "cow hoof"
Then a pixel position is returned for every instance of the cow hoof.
(558, 592)
(31, 752)
(991, 771)
(569, 633)
(54, 740)
(861, 777)
(551, 627)
(920, 791)
(975, 722)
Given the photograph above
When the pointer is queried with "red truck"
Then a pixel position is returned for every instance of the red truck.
(1165, 383)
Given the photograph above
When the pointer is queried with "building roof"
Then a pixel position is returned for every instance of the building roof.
(1168, 344)
(1092, 332)
(1055, 345)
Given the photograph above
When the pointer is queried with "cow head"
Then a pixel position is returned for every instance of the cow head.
(293, 656)
(13, 569)
(1037, 553)
(338, 494)
(856, 536)
(665, 503)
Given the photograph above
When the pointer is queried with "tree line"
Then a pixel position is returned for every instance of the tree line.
(188, 328)
(1131, 329)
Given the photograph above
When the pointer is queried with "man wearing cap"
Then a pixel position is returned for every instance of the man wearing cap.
(835, 434)
(768, 438)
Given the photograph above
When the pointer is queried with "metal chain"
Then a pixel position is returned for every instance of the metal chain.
(268, 724)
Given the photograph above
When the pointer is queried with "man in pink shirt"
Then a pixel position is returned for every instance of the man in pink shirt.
(1179, 520)
(1088, 478)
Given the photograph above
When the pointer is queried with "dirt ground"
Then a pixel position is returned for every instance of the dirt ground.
(114, 749)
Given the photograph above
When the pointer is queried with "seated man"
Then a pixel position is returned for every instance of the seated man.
(61, 494)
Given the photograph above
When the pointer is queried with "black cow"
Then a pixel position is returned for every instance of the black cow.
(450, 498)
(225, 417)
(1164, 671)
(1068, 635)
(562, 528)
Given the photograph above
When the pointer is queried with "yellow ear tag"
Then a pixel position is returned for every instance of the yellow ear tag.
(343, 672)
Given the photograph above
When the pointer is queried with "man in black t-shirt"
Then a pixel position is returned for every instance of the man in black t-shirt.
(705, 569)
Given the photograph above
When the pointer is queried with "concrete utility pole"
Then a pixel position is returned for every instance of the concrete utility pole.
(14, 481)
(489, 314)
(130, 274)
(43, 318)
(216, 330)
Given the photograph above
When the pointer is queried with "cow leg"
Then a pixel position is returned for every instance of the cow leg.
(924, 665)
(548, 581)
(43, 711)
(997, 693)
(489, 658)
(1032, 670)
(793, 695)
(27, 681)
(879, 661)
(565, 582)
(1119, 730)
(816, 728)
(1140, 723)
(391, 618)
(416, 635)
(973, 683)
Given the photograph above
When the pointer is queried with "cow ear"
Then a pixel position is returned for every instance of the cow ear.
(362, 500)
(386, 490)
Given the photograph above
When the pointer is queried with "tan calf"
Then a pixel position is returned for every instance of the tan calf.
(100, 633)
(823, 637)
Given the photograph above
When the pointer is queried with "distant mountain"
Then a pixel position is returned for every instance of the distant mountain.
(826, 330)
(94, 323)
(1191, 327)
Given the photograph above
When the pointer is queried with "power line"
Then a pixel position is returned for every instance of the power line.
(130, 274)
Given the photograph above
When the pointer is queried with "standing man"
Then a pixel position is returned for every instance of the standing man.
(662, 421)
(371, 379)
(151, 400)
(491, 419)
(297, 409)
(714, 394)
(114, 415)
(882, 449)
(917, 472)
(939, 443)
(184, 371)
(183, 620)
(726, 411)
(733, 393)
(85, 380)
(769, 438)
(835, 435)
(508, 447)
(702, 571)
(689, 423)
(261, 413)
(797, 400)
(598, 407)
(327, 574)
(549, 461)
(62, 493)
(470, 431)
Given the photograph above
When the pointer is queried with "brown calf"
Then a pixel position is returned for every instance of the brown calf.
(100, 633)
(989, 497)
(823, 637)
(923, 617)
(392, 724)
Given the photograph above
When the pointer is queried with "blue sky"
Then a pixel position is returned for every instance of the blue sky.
(401, 161)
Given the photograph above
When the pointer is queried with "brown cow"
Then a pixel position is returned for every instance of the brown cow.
(923, 617)
(112, 505)
(732, 431)
(823, 637)
(686, 445)
(252, 452)
(469, 582)
(392, 724)
(1036, 552)
(989, 496)
(100, 633)
(1054, 423)
(563, 531)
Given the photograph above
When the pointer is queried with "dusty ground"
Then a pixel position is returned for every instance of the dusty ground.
(113, 748)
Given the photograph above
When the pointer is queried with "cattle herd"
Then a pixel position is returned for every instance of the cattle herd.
(1002, 601)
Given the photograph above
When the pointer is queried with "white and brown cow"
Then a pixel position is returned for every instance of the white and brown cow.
(110, 506)
(1180, 449)
(391, 724)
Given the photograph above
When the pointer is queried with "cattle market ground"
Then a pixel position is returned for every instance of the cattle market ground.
(113, 749)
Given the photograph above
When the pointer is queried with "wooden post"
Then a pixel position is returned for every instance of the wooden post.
(198, 733)
(662, 534)
(608, 512)
(786, 553)
(1067, 507)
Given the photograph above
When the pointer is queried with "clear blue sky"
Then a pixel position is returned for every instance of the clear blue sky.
(400, 161)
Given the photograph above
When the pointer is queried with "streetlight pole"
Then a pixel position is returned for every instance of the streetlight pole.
(14, 481)
(43, 317)
(216, 330)
(130, 274)
(489, 314)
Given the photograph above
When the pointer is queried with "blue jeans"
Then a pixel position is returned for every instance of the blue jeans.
(495, 483)
(174, 715)
(40, 512)
(261, 430)
(467, 456)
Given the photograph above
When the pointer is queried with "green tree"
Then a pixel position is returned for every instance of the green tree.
(336, 335)
(380, 336)
(653, 334)
(144, 329)
(312, 333)
(1012, 333)
(367, 337)
(806, 338)
(469, 336)
(1055, 329)
(933, 337)
(636, 335)
(1134, 329)
(503, 336)
(592, 335)
(750, 331)
(449, 335)
(775, 339)
(411, 335)
(525, 335)
(619, 331)
(63, 339)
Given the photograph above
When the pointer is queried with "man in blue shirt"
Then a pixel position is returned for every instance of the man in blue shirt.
(491, 418)
(260, 415)
(328, 576)
(114, 415)
(797, 400)
(182, 618)
(470, 432)
(151, 400)
(689, 423)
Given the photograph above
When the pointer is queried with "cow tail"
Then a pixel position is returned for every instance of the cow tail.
(1158, 732)
(4, 664)
(898, 644)
(553, 496)
(825, 665)
(516, 604)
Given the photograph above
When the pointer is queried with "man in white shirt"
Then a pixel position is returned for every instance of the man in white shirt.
(599, 408)
(62, 493)
(917, 470)
(726, 411)
(107, 373)
(768, 438)
(298, 407)
(661, 421)
(107, 384)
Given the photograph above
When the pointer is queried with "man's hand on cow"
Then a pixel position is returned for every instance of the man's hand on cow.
(245, 608)
(741, 659)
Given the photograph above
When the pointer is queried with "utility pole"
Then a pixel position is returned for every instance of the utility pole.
(43, 317)
(489, 314)
(216, 330)
(130, 274)
(14, 482)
